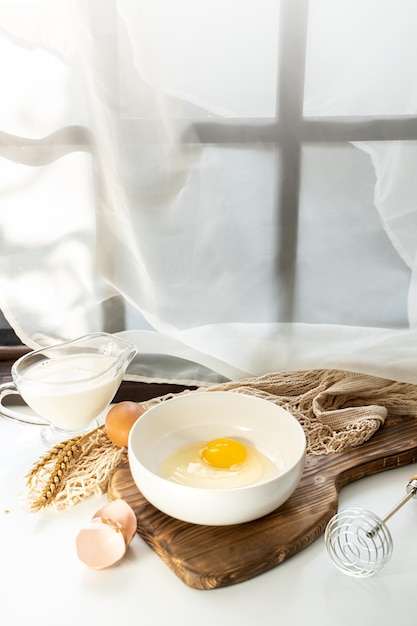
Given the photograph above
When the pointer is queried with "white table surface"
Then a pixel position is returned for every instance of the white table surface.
(43, 582)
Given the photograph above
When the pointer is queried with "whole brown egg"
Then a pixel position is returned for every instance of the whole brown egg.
(120, 419)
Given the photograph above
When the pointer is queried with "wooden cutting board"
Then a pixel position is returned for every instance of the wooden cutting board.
(208, 557)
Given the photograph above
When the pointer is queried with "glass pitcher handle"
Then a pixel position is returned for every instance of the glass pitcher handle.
(7, 389)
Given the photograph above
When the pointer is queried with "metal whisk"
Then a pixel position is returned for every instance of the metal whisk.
(358, 541)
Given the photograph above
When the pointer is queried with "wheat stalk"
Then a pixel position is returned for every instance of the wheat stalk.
(48, 457)
(47, 476)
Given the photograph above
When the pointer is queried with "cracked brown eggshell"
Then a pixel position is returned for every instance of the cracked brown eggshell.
(121, 512)
(103, 541)
(100, 544)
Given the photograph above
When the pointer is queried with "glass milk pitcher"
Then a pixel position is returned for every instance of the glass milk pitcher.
(68, 385)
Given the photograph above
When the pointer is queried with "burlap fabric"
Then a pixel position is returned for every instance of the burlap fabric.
(337, 409)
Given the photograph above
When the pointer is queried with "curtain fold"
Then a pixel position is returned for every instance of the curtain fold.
(145, 171)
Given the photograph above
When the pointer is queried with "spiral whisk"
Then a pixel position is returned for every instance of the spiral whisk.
(359, 542)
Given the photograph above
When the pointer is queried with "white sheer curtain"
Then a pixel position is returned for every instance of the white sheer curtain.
(142, 169)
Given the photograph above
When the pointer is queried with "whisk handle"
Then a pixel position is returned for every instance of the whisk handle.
(411, 490)
(412, 486)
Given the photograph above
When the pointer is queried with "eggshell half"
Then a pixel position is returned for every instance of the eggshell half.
(121, 513)
(100, 544)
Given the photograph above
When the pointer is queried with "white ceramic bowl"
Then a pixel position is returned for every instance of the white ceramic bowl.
(203, 416)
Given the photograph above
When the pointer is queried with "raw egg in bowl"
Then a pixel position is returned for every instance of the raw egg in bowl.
(216, 457)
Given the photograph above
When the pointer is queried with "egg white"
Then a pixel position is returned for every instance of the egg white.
(186, 466)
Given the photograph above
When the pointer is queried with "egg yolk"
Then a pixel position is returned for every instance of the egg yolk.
(224, 453)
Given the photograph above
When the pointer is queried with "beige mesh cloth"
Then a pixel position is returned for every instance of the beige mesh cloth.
(337, 409)
(72, 471)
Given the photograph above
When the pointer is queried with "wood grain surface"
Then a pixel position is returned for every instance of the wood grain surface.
(208, 557)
